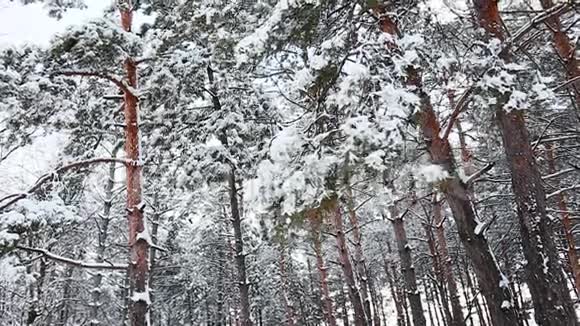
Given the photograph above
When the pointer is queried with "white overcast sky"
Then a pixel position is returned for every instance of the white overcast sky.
(31, 24)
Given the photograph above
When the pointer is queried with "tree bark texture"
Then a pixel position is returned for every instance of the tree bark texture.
(332, 207)
(456, 193)
(327, 309)
(407, 268)
(550, 295)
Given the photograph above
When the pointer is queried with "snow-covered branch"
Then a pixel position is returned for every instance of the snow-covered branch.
(73, 262)
(563, 190)
(102, 75)
(479, 173)
(9, 200)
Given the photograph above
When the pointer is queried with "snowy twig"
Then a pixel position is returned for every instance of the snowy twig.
(461, 105)
(13, 198)
(557, 174)
(479, 173)
(568, 82)
(537, 20)
(558, 192)
(73, 262)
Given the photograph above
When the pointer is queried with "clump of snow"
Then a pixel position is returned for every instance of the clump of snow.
(504, 282)
(6, 238)
(144, 236)
(431, 173)
(518, 101)
(506, 304)
(479, 228)
(10, 269)
(141, 296)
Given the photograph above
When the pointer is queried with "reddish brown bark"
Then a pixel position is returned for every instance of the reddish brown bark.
(566, 222)
(457, 196)
(328, 310)
(332, 207)
(550, 295)
(138, 242)
(565, 48)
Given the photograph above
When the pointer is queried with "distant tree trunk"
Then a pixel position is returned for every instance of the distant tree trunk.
(430, 305)
(126, 300)
(332, 207)
(344, 310)
(155, 220)
(235, 211)
(439, 275)
(566, 49)
(393, 289)
(359, 258)
(407, 267)
(327, 309)
(290, 313)
(105, 219)
(552, 302)
(374, 298)
(566, 221)
(243, 283)
(458, 319)
(456, 192)
(466, 297)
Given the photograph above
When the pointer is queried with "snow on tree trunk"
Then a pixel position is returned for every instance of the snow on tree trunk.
(138, 241)
(565, 48)
(445, 260)
(566, 221)
(407, 267)
(393, 287)
(327, 309)
(457, 195)
(243, 283)
(548, 288)
(290, 314)
(359, 258)
(105, 218)
(332, 207)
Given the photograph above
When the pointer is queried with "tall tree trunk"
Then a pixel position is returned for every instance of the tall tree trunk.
(327, 309)
(290, 313)
(374, 298)
(64, 309)
(155, 220)
(105, 219)
(407, 267)
(566, 222)
(243, 283)
(393, 287)
(344, 309)
(359, 258)
(456, 192)
(138, 234)
(552, 302)
(458, 319)
(332, 208)
(566, 49)
(439, 275)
